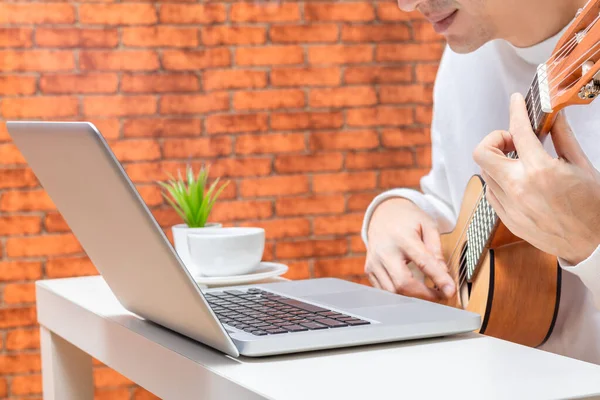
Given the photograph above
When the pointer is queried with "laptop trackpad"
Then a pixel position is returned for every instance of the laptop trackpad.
(358, 299)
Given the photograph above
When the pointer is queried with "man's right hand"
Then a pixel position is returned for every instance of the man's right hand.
(400, 232)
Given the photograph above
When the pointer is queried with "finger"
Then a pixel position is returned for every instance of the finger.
(491, 152)
(373, 279)
(496, 205)
(382, 277)
(492, 185)
(405, 283)
(527, 144)
(432, 267)
(432, 240)
(565, 143)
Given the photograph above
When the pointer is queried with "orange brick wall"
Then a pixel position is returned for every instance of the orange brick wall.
(310, 108)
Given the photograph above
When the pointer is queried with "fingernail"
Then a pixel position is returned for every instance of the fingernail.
(448, 289)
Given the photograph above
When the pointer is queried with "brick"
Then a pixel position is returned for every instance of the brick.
(344, 182)
(26, 385)
(15, 317)
(268, 100)
(232, 35)
(19, 293)
(110, 128)
(343, 97)
(297, 270)
(401, 94)
(35, 200)
(20, 224)
(202, 147)
(375, 33)
(380, 159)
(306, 76)
(54, 222)
(36, 60)
(219, 79)
(151, 195)
(17, 178)
(16, 37)
(160, 36)
(423, 114)
(308, 163)
(17, 85)
(112, 394)
(40, 107)
(19, 363)
(77, 37)
(340, 54)
(339, 267)
(20, 270)
(409, 52)
(271, 55)
(119, 106)
(357, 245)
(423, 32)
(426, 73)
(163, 83)
(274, 186)
(270, 143)
(311, 205)
(106, 377)
(161, 127)
(360, 201)
(395, 74)
(192, 13)
(346, 140)
(119, 60)
(136, 150)
(193, 60)
(80, 83)
(70, 266)
(382, 116)
(166, 217)
(391, 12)
(307, 120)
(10, 155)
(236, 123)
(34, 13)
(142, 394)
(319, 33)
(241, 210)
(117, 14)
(406, 137)
(338, 224)
(194, 104)
(282, 227)
(252, 12)
(338, 11)
(4, 136)
(49, 245)
(3, 388)
(311, 248)
(401, 177)
(424, 156)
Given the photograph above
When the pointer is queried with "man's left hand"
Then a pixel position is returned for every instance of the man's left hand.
(554, 204)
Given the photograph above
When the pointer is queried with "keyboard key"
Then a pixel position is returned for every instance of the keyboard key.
(313, 325)
(302, 305)
(356, 322)
(235, 292)
(250, 329)
(276, 331)
(259, 333)
(332, 323)
(332, 314)
(294, 328)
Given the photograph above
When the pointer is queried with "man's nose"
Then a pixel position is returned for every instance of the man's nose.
(408, 5)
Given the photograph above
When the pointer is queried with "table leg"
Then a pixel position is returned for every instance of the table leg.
(66, 370)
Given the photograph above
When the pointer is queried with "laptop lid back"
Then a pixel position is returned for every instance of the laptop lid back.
(104, 210)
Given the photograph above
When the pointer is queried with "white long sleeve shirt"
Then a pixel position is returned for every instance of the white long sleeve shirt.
(471, 99)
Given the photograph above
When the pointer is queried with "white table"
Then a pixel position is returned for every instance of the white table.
(80, 319)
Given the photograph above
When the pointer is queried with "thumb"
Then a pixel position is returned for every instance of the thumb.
(527, 144)
(565, 143)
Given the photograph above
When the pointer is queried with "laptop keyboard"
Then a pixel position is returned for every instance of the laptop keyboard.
(264, 313)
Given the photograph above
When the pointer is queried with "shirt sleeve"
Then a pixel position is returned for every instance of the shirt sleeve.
(588, 271)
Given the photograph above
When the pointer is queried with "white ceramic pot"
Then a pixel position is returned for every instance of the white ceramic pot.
(180, 235)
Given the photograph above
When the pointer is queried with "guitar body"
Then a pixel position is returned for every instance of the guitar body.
(516, 289)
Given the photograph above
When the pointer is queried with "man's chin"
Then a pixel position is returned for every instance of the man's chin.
(463, 45)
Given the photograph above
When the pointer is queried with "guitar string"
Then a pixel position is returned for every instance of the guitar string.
(463, 273)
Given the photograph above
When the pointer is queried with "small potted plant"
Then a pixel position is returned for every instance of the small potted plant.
(193, 202)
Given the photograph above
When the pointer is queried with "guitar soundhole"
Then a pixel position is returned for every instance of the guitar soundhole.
(463, 269)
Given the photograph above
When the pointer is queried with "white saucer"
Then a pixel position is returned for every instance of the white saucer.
(264, 271)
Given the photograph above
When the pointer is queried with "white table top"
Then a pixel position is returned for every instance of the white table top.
(469, 366)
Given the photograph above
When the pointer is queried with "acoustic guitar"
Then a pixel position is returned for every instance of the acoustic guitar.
(514, 286)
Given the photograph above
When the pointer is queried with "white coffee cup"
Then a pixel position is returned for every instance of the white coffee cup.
(180, 232)
(226, 251)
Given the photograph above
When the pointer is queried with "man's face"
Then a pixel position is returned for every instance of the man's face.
(466, 24)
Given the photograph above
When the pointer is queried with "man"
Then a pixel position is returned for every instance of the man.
(550, 196)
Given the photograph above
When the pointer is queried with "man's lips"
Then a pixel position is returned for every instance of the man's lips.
(441, 22)
(435, 18)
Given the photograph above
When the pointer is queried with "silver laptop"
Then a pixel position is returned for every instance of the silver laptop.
(106, 213)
